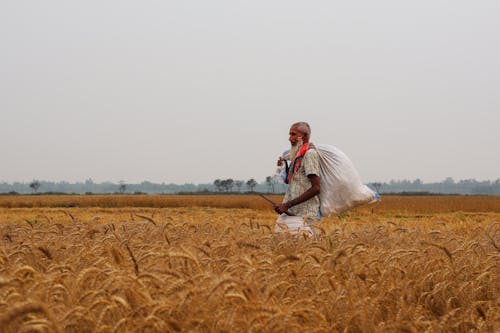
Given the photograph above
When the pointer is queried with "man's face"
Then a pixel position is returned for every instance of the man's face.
(295, 136)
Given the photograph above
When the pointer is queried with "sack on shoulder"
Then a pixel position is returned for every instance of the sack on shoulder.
(341, 186)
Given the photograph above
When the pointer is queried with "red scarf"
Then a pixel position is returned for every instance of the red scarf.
(297, 161)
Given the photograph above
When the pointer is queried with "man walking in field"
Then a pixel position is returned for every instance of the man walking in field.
(300, 208)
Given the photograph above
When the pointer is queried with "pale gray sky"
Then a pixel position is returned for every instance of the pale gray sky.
(191, 91)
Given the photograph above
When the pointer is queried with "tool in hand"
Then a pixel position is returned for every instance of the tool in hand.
(274, 204)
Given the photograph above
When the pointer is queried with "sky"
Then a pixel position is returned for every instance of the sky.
(190, 91)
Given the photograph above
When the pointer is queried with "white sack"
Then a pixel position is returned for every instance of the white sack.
(341, 186)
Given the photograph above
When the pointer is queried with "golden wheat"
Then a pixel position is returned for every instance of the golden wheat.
(202, 269)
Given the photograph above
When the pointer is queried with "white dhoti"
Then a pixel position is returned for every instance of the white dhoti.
(293, 225)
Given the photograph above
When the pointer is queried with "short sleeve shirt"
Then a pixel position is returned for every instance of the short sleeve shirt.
(301, 183)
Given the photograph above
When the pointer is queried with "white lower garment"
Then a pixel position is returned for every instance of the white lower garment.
(292, 224)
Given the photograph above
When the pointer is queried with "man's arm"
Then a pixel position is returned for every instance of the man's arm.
(311, 192)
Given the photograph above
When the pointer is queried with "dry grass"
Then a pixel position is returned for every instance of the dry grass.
(132, 269)
(115, 201)
(394, 204)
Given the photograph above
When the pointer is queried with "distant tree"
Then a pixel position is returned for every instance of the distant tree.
(449, 180)
(270, 183)
(122, 187)
(251, 183)
(239, 184)
(227, 184)
(35, 185)
(218, 184)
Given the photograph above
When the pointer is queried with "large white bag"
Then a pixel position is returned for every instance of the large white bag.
(341, 186)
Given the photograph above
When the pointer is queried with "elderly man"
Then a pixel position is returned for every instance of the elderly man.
(300, 208)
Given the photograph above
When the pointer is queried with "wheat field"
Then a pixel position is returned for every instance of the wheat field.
(212, 264)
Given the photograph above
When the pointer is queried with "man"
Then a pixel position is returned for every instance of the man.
(300, 208)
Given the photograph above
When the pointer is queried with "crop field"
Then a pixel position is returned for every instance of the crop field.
(213, 264)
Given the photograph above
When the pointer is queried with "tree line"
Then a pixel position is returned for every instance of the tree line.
(270, 184)
(227, 185)
(447, 186)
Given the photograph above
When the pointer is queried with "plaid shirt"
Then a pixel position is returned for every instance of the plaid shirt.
(300, 183)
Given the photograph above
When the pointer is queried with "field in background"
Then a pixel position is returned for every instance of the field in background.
(212, 264)
(409, 204)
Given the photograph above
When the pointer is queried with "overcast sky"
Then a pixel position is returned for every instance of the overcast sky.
(190, 91)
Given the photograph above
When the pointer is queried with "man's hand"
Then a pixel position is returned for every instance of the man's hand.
(282, 208)
(280, 161)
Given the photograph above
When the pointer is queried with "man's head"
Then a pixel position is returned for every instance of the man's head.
(300, 131)
(299, 134)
